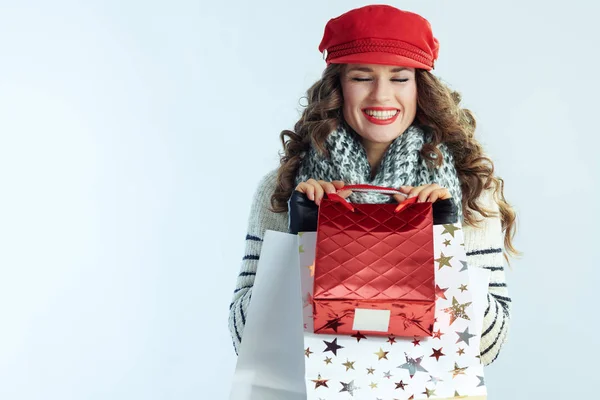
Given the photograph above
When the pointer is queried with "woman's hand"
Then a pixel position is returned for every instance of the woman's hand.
(315, 190)
(431, 192)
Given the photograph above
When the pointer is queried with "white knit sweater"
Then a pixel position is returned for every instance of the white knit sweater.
(484, 247)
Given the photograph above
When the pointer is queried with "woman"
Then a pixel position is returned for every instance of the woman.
(379, 116)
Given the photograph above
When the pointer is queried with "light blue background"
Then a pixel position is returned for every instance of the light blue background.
(132, 137)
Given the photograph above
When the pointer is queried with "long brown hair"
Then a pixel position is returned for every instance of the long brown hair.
(438, 111)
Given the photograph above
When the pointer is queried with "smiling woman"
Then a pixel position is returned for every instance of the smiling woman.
(379, 102)
(379, 116)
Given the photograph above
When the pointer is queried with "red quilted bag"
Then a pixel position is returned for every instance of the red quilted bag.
(374, 267)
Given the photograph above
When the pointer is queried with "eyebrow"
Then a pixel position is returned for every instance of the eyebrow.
(367, 69)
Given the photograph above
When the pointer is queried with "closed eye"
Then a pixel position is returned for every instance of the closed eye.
(366, 79)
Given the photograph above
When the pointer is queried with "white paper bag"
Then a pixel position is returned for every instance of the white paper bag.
(270, 362)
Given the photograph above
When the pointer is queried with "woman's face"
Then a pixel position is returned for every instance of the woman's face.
(380, 101)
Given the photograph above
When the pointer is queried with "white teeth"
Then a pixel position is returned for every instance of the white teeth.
(381, 114)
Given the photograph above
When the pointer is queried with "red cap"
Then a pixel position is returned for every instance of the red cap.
(380, 34)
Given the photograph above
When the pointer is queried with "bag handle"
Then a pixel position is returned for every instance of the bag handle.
(370, 189)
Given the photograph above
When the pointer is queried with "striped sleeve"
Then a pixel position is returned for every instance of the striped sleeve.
(259, 221)
(484, 246)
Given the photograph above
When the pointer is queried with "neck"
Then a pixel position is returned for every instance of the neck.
(375, 152)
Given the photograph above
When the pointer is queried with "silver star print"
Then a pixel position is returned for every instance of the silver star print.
(387, 375)
(465, 267)
(464, 336)
(434, 380)
(481, 381)
(349, 387)
(412, 365)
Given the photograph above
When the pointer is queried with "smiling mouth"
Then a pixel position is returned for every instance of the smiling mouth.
(381, 115)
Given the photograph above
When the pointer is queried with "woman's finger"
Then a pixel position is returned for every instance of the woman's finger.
(404, 189)
(307, 189)
(324, 187)
(345, 193)
(312, 190)
(328, 187)
(338, 184)
(415, 191)
(318, 191)
(301, 187)
(426, 191)
(442, 194)
(435, 195)
(399, 198)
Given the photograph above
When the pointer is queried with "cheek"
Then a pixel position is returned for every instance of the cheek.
(353, 97)
(414, 96)
(409, 97)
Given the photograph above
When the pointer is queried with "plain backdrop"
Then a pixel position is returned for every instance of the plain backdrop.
(133, 135)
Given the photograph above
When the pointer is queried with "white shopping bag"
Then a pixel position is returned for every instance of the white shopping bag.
(479, 279)
(270, 362)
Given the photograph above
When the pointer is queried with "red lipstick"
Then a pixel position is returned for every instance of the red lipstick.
(381, 121)
(380, 108)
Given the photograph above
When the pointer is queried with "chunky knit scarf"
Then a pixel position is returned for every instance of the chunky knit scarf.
(401, 165)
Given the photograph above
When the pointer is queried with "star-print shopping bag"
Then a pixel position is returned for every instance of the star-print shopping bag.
(362, 366)
(374, 266)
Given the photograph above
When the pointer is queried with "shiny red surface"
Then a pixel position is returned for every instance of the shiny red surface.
(374, 258)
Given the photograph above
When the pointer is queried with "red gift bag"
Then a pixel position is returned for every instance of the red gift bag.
(374, 267)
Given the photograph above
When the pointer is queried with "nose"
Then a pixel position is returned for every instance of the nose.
(382, 91)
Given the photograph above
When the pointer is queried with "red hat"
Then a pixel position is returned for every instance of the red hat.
(380, 34)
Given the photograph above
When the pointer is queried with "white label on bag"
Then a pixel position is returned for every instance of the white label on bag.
(371, 320)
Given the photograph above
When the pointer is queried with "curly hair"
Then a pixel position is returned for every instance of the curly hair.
(438, 112)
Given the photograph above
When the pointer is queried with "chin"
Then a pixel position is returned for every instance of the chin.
(382, 137)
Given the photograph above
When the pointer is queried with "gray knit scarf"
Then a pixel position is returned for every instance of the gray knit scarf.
(402, 165)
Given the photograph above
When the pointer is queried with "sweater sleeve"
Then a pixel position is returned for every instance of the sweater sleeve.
(484, 246)
(260, 220)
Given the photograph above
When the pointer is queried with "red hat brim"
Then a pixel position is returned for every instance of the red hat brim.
(379, 58)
